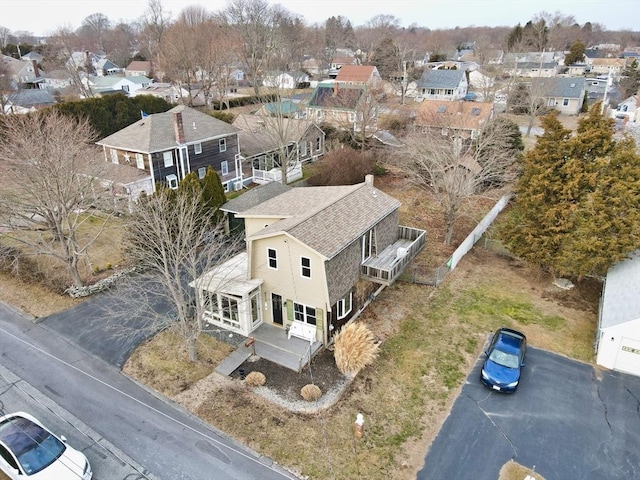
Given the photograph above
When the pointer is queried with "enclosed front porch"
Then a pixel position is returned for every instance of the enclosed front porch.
(232, 306)
(389, 264)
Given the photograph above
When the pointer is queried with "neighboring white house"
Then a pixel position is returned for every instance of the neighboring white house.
(105, 85)
(618, 335)
(629, 108)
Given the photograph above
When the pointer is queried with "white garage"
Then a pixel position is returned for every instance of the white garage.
(618, 336)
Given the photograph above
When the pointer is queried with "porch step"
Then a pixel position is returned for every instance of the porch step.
(290, 360)
(233, 361)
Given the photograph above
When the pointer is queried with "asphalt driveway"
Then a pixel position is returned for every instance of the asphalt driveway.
(109, 325)
(567, 419)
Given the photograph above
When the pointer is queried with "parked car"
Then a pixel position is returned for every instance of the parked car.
(501, 370)
(470, 97)
(28, 451)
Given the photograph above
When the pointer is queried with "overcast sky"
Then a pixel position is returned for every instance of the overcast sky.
(43, 16)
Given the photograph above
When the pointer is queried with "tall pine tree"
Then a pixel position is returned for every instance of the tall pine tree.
(577, 209)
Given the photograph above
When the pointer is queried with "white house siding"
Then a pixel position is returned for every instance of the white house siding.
(618, 340)
(619, 347)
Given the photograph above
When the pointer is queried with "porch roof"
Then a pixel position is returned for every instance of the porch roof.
(230, 278)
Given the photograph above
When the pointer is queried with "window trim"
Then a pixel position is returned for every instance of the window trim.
(222, 144)
(224, 168)
(367, 239)
(272, 260)
(140, 161)
(168, 160)
(197, 148)
(303, 313)
(341, 312)
(172, 178)
(202, 171)
(305, 268)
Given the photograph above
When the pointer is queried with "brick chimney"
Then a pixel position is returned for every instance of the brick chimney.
(335, 89)
(178, 127)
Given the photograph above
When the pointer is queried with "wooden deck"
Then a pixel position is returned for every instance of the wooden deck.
(385, 267)
(271, 343)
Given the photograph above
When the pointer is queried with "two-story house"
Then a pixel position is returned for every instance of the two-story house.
(315, 257)
(442, 85)
(460, 119)
(346, 106)
(268, 141)
(168, 146)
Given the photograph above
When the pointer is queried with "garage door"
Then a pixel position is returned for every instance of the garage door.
(628, 358)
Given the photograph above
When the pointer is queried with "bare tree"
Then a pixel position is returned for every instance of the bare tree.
(95, 27)
(154, 23)
(454, 168)
(173, 241)
(51, 186)
(256, 21)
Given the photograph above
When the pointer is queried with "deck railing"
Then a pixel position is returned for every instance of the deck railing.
(386, 267)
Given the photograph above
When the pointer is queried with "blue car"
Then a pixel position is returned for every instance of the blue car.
(505, 359)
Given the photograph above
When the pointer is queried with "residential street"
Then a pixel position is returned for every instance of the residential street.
(168, 442)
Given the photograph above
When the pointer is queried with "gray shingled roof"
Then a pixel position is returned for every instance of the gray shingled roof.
(327, 219)
(440, 79)
(254, 197)
(155, 133)
(260, 134)
(621, 298)
(31, 98)
(565, 87)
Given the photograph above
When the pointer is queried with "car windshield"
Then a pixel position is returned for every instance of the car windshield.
(34, 447)
(505, 359)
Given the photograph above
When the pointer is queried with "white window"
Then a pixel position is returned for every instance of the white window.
(202, 171)
(304, 313)
(114, 156)
(168, 159)
(565, 102)
(223, 144)
(352, 117)
(140, 161)
(475, 134)
(367, 245)
(224, 168)
(344, 306)
(445, 131)
(272, 255)
(198, 148)
(305, 267)
(172, 181)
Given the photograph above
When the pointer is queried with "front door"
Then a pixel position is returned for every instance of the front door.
(276, 308)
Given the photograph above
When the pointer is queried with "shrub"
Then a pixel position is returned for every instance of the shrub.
(311, 392)
(343, 166)
(355, 348)
(255, 379)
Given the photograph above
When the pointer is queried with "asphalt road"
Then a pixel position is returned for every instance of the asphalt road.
(167, 441)
(567, 420)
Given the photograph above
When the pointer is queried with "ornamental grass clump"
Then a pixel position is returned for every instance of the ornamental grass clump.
(311, 392)
(355, 347)
(255, 379)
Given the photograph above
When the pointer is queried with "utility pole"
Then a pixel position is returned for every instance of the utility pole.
(606, 92)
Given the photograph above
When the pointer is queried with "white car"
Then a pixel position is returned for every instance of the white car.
(28, 451)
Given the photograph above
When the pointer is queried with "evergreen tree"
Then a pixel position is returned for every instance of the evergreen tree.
(576, 53)
(213, 191)
(576, 210)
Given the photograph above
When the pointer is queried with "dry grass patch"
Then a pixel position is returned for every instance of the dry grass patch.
(33, 299)
(163, 363)
(514, 471)
(355, 348)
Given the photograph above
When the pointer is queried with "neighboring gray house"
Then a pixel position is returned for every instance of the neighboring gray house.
(564, 94)
(442, 85)
(27, 101)
(535, 69)
(169, 145)
(260, 145)
(618, 335)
